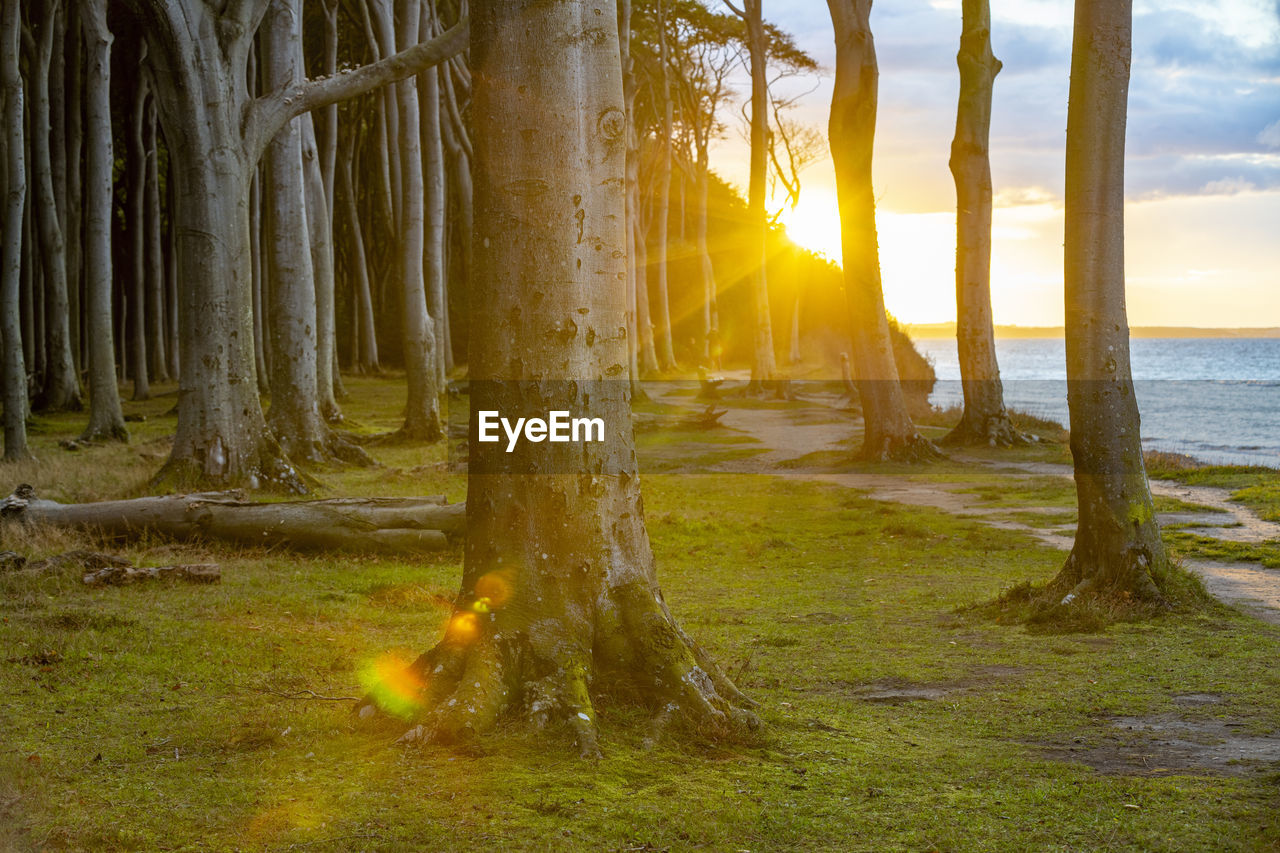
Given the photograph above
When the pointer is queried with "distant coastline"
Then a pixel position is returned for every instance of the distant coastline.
(948, 330)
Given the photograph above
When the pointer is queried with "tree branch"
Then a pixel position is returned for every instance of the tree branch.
(271, 112)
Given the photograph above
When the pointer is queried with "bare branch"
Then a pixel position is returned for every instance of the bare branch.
(271, 112)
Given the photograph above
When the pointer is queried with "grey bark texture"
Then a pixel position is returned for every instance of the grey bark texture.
(558, 582)
(889, 432)
(662, 204)
(1118, 549)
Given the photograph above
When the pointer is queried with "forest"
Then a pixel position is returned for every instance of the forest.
(276, 276)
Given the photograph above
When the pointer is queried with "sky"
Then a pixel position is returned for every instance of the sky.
(1202, 165)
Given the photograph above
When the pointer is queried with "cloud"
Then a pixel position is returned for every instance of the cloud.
(1270, 135)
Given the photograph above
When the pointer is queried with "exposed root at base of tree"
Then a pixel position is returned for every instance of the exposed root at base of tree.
(112, 432)
(913, 448)
(333, 448)
(995, 431)
(271, 471)
(485, 669)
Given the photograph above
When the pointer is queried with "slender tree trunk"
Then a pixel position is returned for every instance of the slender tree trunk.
(572, 594)
(641, 358)
(1118, 549)
(15, 370)
(367, 357)
(60, 390)
(662, 205)
(422, 415)
(889, 432)
(434, 185)
(155, 253)
(171, 276)
(710, 312)
(985, 420)
(260, 286)
(320, 232)
(106, 420)
(648, 354)
(295, 415)
(74, 75)
(136, 212)
(764, 366)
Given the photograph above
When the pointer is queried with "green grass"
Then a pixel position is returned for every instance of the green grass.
(177, 717)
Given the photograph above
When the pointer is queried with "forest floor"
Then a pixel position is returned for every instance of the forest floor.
(840, 595)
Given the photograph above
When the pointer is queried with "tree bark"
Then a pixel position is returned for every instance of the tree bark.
(372, 525)
(156, 349)
(74, 220)
(551, 600)
(889, 432)
(1118, 549)
(422, 413)
(106, 420)
(136, 211)
(320, 234)
(985, 420)
(764, 365)
(662, 204)
(60, 390)
(367, 358)
(434, 185)
(15, 370)
(295, 416)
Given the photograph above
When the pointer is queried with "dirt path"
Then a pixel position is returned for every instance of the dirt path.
(791, 433)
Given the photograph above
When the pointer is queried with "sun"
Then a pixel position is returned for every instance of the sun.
(814, 223)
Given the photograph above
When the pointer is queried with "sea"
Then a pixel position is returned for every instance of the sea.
(1214, 399)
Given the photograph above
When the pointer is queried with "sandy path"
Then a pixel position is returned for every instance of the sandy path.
(791, 433)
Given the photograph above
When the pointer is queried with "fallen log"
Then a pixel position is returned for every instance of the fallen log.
(365, 525)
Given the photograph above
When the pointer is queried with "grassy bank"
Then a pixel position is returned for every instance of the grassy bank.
(183, 717)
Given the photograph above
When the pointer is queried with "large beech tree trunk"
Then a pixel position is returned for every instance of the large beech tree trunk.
(889, 432)
(15, 195)
(985, 420)
(106, 419)
(320, 239)
(558, 584)
(362, 525)
(1118, 549)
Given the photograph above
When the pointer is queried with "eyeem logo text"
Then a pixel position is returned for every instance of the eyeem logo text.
(558, 427)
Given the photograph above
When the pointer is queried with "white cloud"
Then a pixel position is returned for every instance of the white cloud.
(1270, 135)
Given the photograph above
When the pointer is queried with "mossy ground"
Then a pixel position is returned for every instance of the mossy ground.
(183, 717)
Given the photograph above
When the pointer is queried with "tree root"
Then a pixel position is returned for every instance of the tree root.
(543, 671)
(995, 431)
(912, 449)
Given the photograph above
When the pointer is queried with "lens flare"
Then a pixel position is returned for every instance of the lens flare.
(393, 685)
(494, 588)
(463, 627)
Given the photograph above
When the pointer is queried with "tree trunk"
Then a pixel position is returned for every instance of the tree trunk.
(136, 212)
(1118, 549)
(889, 432)
(155, 254)
(367, 357)
(662, 205)
(985, 420)
(106, 420)
(433, 178)
(295, 416)
(15, 186)
(60, 390)
(551, 600)
(764, 366)
(422, 414)
(74, 75)
(710, 311)
(320, 234)
(370, 525)
(260, 285)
